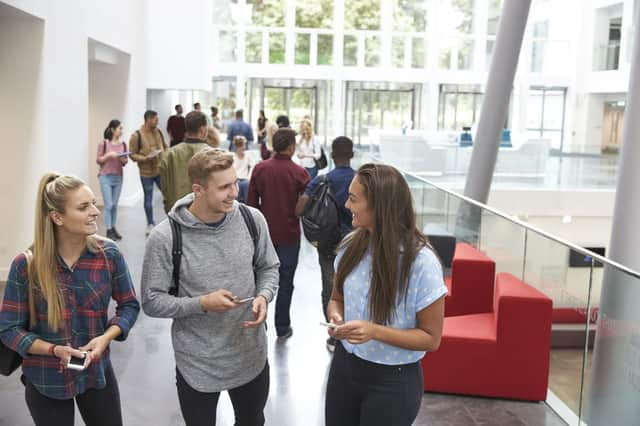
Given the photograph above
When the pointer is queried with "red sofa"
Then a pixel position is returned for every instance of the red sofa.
(503, 353)
(471, 282)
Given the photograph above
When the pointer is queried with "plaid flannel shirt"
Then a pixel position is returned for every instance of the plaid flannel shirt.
(87, 289)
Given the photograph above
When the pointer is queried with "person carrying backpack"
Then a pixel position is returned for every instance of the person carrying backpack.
(324, 195)
(212, 268)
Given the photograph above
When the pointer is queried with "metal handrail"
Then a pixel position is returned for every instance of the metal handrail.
(525, 225)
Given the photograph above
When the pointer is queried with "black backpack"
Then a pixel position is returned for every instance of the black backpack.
(321, 216)
(176, 250)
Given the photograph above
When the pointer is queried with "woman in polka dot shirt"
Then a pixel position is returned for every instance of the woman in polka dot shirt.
(387, 304)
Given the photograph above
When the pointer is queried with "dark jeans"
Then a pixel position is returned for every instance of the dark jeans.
(243, 187)
(97, 407)
(326, 270)
(199, 408)
(288, 256)
(364, 393)
(147, 188)
(313, 171)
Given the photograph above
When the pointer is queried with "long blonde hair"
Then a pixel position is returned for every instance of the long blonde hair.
(306, 131)
(271, 129)
(51, 196)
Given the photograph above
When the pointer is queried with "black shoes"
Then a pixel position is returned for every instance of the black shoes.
(331, 344)
(112, 234)
(288, 333)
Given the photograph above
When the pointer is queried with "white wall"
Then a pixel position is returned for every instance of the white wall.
(179, 44)
(23, 145)
(56, 133)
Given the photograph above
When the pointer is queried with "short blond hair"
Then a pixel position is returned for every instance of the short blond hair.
(207, 161)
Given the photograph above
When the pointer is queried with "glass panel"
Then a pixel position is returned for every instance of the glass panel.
(362, 14)
(325, 49)
(493, 17)
(274, 102)
(504, 242)
(224, 97)
(268, 13)
(444, 60)
(319, 14)
(534, 109)
(397, 52)
(301, 105)
(253, 48)
(489, 54)
(457, 16)
(303, 43)
(372, 51)
(418, 52)
(548, 269)
(554, 136)
(465, 111)
(410, 15)
(465, 55)
(276, 48)
(228, 46)
(350, 50)
(553, 108)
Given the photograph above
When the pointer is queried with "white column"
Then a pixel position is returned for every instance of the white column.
(313, 48)
(386, 26)
(290, 25)
(339, 106)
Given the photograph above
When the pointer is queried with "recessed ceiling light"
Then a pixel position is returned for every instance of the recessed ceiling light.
(567, 219)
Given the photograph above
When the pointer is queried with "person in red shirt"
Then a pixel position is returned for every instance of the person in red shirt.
(175, 126)
(274, 188)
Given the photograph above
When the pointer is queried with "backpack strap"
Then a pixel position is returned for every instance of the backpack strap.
(252, 227)
(176, 255)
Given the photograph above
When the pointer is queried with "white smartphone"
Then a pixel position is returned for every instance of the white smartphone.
(329, 324)
(246, 299)
(76, 363)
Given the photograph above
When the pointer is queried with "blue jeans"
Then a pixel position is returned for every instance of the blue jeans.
(313, 171)
(110, 185)
(243, 187)
(288, 256)
(147, 188)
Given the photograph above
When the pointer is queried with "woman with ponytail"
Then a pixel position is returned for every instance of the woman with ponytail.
(387, 306)
(111, 157)
(56, 303)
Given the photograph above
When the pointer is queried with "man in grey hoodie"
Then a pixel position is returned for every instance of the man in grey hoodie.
(219, 342)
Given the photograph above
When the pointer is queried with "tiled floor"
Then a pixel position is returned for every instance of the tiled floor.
(145, 367)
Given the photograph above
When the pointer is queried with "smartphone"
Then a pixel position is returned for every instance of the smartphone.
(329, 324)
(246, 299)
(76, 363)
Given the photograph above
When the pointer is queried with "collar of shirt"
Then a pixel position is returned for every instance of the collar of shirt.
(279, 156)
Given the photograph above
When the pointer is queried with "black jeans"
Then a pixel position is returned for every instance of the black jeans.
(97, 407)
(363, 393)
(199, 408)
(326, 260)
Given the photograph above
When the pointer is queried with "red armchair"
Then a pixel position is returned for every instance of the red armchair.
(471, 282)
(504, 353)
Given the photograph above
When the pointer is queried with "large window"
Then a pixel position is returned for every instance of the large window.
(540, 34)
(545, 114)
(410, 15)
(268, 13)
(456, 16)
(362, 14)
(316, 14)
(459, 106)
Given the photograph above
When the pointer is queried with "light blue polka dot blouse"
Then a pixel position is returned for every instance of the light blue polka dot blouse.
(426, 285)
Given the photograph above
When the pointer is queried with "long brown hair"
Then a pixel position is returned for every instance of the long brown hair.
(43, 278)
(394, 241)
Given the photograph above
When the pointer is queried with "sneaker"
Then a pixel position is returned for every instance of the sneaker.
(286, 334)
(149, 228)
(331, 344)
(116, 233)
(110, 234)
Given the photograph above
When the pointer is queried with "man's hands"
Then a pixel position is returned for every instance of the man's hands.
(218, 301)
(259, 309)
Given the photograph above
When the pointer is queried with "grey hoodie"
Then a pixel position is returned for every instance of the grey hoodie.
(212, 350)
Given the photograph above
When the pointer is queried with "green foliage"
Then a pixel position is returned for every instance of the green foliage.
(268, 13)
(362, 14)
(317, 14)
(409, 15)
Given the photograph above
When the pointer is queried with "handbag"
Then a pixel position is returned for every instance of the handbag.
(321, 162)
(10, 360)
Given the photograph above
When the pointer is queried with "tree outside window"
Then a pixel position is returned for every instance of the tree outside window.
(410, 15)
(317, 14)
(362, 15)
(268, 13)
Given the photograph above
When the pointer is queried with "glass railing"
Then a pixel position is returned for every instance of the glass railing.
(606, 57)
(573, 278)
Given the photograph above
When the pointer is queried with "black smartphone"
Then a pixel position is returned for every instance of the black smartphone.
(76, 363)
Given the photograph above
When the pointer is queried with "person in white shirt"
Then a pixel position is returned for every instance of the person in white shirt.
(243, 163)
(308, 148)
